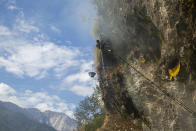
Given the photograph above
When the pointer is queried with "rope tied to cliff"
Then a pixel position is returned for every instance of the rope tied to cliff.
(164, 92)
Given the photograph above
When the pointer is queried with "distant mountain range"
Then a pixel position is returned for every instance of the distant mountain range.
(15, 118)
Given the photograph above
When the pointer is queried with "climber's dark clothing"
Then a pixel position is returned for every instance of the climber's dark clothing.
(100, 44)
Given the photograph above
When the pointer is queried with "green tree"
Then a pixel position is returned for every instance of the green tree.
(89, 109)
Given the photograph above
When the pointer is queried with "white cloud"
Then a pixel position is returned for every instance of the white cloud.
(68, 42)
(82, 76)
(79, 77)
(25, 27)
(6, 90)
(34, 60)
(55, 29)
(4, 31)
(82, 90)
(26, 51)
(80, 83)
(12, 7)
(41, 100)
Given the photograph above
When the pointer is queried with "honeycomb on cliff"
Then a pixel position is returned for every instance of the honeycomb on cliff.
(173, 72)
(155, 30)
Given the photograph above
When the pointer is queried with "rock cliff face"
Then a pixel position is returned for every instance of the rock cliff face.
(148, 38)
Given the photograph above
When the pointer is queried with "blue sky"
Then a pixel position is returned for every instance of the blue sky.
(46, 52)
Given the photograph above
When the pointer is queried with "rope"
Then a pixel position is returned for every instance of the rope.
(164, 92)
(115, 102)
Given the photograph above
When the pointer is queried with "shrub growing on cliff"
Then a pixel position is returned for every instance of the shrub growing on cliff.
(90, 113)
(95, 123)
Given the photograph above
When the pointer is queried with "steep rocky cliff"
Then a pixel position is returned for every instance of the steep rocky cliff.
(148, 80)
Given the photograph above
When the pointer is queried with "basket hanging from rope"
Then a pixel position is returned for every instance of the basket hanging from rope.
(92, 74)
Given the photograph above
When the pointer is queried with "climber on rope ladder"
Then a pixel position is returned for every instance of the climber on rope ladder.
(106, 48)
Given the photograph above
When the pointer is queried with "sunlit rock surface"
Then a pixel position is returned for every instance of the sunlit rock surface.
(153, 36)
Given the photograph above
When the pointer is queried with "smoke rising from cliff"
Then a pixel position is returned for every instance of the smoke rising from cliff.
(126, 28)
